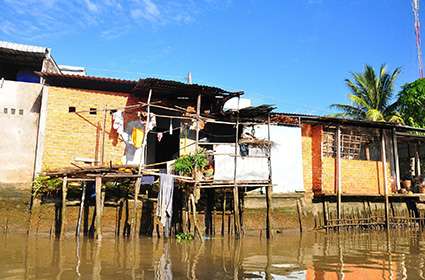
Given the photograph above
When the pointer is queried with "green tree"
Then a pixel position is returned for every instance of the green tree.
(370, 96)
(411, 102)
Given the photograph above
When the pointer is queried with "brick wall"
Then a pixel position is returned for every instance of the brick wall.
(358, 176)
(70, 135)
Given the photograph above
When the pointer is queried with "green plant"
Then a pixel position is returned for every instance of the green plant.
(411, 102)
(45, 184)
(370, 96)
(182, 236)
(185, 165)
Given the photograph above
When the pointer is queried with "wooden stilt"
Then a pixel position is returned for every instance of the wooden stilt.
(195, 224)
(338, 185)
(135, 220)
(236, 218)
(269, 188)
(63, 207)
(384, 172)
(299, 210)
(223, 214)
(80, 213)
(86, 219)
(98, 227)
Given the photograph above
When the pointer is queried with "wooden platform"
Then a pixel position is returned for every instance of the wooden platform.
(346, 197)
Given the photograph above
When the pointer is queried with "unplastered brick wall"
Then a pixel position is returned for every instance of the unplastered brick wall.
(358, 176)
(70, 135)
(311, 155)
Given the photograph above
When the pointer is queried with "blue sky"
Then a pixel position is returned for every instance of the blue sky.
(292, 53)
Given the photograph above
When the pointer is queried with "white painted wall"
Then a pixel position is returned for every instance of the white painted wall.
(18, 133)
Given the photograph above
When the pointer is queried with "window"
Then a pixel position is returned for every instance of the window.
(93, 111)
(21, 112)
(12, 111)
(71, 109)
(5, 110)
(354, 145)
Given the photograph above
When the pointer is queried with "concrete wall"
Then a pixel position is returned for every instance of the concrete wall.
(18, 133)
(71, 135)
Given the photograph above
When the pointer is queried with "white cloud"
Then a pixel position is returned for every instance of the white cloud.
(92, 7)
(27, 19)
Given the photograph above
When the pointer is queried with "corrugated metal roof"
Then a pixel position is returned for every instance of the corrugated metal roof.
(174, 88)
(22, 48)
(88, 82)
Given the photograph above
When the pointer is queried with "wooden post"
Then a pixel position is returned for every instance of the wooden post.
(98, 227)
(223, 214)
(192, 196)
(384, 172)
(299, 210)
(417, 160)
(134, 219)
(269, 188)
(396, 159)
(338, 172)
(63, 207)
(80, 213)
(236, 218)
(102, 157)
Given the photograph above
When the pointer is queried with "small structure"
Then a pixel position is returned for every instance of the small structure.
(92, 129)
(360, 161)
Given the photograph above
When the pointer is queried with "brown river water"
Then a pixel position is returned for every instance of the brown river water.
(373, 255)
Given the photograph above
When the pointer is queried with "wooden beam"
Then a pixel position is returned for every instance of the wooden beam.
(384, 172)
(396, 159)
(63, 207)
(98, 219)
(338, 176)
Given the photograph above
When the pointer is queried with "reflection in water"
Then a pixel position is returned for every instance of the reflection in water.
(289, 256)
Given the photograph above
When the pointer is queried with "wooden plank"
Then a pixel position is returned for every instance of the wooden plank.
(98, 218)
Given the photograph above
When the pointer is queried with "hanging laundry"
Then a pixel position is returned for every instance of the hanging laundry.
(164, 208)
(137, 137)
(152, 121)
(159, 136)
(118, 123)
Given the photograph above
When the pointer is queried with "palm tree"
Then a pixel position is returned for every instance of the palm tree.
(371, 96)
